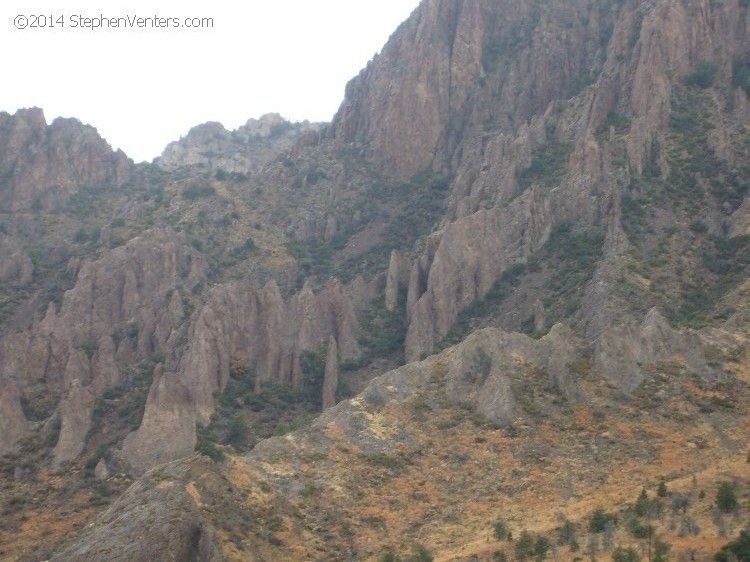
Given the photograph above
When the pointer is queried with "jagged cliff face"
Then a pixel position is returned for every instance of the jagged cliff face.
(247, 149)
(41, 166)
(455, 69)
(438, 450)
(629, 59)
(572, 170)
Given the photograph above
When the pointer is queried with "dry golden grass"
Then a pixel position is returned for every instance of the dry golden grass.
(445, 478)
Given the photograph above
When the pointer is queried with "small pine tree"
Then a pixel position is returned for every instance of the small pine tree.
(421, 554)
(621, 554)
(598, 520)
(661, 491)
(726, 499)
(500, 530)
(661, 549)
(738, 549)
(642, 504)
(541, 547)
(524, 546)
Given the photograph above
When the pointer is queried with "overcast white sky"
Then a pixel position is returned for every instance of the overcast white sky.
(144, 88)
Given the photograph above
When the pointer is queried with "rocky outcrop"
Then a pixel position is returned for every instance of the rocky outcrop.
(453, 67)
(167, 430)
(13, 423)
(130, 295)
(268, 332)
(331, 375)
(478, 375)
(460, 272)
(41, 165)
(481, 369)
(623, 350)
(154, 520)
(490, 78)
(391, 282)
(75, 414)
(210, 147)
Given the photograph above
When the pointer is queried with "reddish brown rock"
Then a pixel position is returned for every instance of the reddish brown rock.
(13, 423)
(167, 431)
(45, 164)
(331, 377)
(75, 414)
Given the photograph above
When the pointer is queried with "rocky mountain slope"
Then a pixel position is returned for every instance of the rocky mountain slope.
(540, 206)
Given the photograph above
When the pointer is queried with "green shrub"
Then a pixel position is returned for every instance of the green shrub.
(726, 499)
(206, 445)
(500, 530)
(80, 236)
(598, 520)
(621, 124)
(548, 165)
(313, 366)
(622, 554)
(541, 547)
(702, 75)
(524, 546)
(642, 504)
(580, 83)
(741, 73)
(639, 529)
(382, 332)
(661, 550)
(661, 490)
(237, 432)
(420, 554)
(738, 549)
(567, 534)
(196, 191)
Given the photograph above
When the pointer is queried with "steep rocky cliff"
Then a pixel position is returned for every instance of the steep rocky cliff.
(246, 149)
(540, 206)
(40, 165)
(502, 427)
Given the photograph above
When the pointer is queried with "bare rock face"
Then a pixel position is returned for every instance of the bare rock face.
(257, 324)
(623, 349)
(455, 69)
(13, 423)
(480, 368)
(540, 319)
(391, 282)
(42, 165)
(331, 377)
(460, 271)
(101, 472)
(75, 413)
(130, 294)
(246, 149)
(167, 430)
(476, 374)
(452, 67)
(149, 522)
